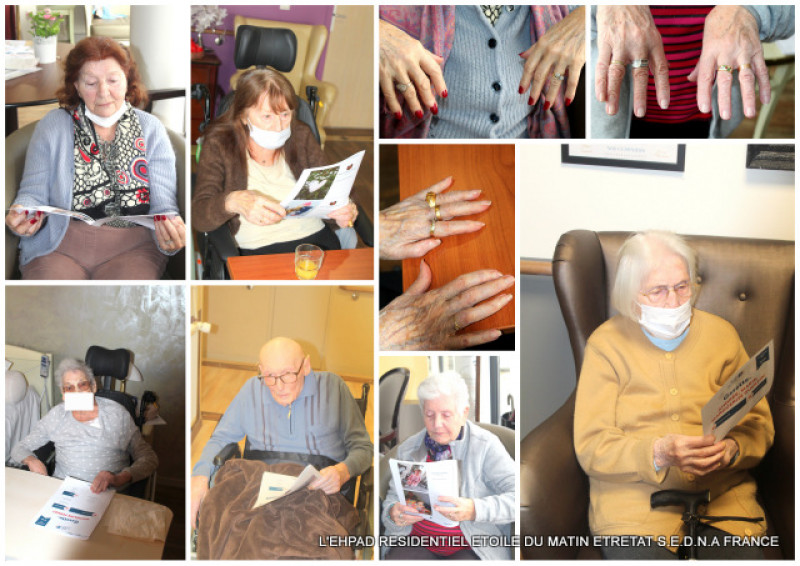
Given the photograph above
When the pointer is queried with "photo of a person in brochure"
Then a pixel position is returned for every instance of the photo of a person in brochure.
(418, 501)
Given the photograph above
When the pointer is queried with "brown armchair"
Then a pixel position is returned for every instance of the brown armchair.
(748, 282)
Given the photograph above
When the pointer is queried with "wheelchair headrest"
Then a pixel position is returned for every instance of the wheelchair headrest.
(273, 47)
(109, 363)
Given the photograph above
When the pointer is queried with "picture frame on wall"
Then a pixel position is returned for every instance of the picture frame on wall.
(659, 157)
(775, 157)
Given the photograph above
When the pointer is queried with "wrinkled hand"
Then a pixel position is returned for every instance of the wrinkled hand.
(428, 320)
(730, 37)
(170, 232)
(345, 216)
(462, 508)
(23, 224)
(199, 490)
(405, 228)
(404, 61)
(35, 465)
(561, 50)
(256, 207)
(105, 479)
(403, 515)
(626, 33)
(697, 455)
(332, 480)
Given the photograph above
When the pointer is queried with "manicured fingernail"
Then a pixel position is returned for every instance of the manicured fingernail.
(725, 115)
(530, 101)
(435, 109)
(444, 94)
(418, 114)
(704, 108)
(568, 101)
(521, 90)
(38, 213)
(27, 213)
(546, 104)
(33, 221)
(521, 53)
(398, 115)
(663, 104)
(639, 112)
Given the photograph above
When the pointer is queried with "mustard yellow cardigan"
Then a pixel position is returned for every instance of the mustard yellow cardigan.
(631, 393)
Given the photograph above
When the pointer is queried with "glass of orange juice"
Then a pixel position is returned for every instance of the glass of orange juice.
(307, 261)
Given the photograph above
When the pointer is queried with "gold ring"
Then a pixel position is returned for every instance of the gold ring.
(456, 325)
(725, 68)
(433, 226)
(350, 224)
(618, 62)
(431, 198)
(744, 66)
(437, 212)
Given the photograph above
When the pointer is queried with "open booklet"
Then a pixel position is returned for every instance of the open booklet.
(274, 486)
(420, 484)
(321, 190)
(74, 510)
(740, 393)
(145, 220)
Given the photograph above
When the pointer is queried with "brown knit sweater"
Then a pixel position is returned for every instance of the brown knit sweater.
(629, 394)
(219, 173)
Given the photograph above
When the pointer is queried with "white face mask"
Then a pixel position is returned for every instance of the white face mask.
(666, 324)
(103, 121)
(79, 401)
(269, 139)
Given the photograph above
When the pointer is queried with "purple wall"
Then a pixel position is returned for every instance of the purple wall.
(314, 15)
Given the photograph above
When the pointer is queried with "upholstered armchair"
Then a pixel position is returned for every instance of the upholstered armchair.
(748, 282)
(310, 44)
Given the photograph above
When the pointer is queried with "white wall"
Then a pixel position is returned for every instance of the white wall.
(715, 195)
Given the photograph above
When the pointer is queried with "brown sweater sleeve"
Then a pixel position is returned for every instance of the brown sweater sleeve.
(212, 185)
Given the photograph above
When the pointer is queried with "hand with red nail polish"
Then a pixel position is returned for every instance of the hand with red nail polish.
(21, 224)
(559, 52)
(408, 72)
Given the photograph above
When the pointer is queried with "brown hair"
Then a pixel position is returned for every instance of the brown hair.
(251, 89)
(96, 49)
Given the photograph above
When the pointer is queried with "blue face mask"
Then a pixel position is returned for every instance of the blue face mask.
(269, 139)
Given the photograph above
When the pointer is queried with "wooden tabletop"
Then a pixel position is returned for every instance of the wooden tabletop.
(486, 167)
(339, 265)
(27, 493)
(40, 87)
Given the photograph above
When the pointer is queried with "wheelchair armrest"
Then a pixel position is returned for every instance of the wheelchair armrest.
(364, 227)
(223, 242)
(230, 451)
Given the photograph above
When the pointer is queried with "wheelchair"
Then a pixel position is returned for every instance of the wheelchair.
(260, 47)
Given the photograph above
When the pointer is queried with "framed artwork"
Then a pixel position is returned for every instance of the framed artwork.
(778, 157)
(660, 157)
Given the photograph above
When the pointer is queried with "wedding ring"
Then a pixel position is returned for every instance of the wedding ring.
(744, 66)
(167, 242)
(618, 62)
(725, 68)
(431, 198)
(559, 76)
(402, 87)
(433, 226)
(350, 224)
(437, 212)
(638, 63)
(456, 326)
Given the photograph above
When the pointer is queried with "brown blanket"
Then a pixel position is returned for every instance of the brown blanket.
(289, 528)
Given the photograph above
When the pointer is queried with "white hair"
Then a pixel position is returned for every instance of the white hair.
(72, 364)
(638, 257)
(447, 384)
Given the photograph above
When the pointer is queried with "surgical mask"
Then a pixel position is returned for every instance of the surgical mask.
(666, 324)
(79, 401)
(103, 121)
(269, 139)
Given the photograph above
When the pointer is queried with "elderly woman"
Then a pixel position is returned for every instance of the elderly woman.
(680, 71)
(485, 506)
(646, 375)
(101, 445)
(251, 158)
(497, 70)
(100, 156)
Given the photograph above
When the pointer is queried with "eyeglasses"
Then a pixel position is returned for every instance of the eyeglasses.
(660, 294)
(288, 377)
(80, 386)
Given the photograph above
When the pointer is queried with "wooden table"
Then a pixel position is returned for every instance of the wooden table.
(26, 494)
(486, 167)
(340, 265)
(35, 89)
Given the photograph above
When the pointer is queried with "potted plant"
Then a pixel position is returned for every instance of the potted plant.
(45, 26)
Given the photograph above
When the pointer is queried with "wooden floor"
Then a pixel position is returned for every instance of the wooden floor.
(219, 385)
(344, 143)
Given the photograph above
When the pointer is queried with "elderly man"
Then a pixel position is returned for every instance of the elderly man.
(290, 408)
(101, 445)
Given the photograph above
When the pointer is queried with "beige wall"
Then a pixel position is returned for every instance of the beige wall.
(417, 365)
(335, 330)
(150, 321)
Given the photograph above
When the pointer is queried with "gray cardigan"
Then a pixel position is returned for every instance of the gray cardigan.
(50, 168)
(487, 477)
(774, 22)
